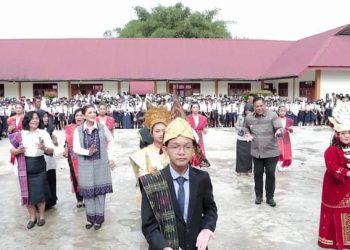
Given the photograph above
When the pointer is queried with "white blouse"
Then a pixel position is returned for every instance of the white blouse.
(31, 139)
(78, 149)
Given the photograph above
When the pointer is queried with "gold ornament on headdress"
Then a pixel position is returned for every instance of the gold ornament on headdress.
(178, 127)
(156, 115)
(177, 110)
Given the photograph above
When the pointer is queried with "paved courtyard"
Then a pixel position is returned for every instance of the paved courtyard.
(292, 225)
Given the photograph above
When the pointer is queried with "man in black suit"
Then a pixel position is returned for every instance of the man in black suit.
(178, 208)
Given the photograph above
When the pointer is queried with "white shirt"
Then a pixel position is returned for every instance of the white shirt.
(78, 149)
(30, 141)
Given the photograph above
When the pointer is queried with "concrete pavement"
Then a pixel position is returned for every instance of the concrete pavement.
(292, 225)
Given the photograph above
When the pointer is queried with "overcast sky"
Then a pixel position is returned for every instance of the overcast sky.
(254, 19)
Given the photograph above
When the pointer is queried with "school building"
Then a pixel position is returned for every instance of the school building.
(309, 67)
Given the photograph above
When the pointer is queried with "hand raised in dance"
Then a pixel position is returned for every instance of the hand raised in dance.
(92, 149)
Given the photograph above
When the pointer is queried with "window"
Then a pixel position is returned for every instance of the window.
(238, 88)
(86, 89)
(283, 89)
(185, 89)
(307, 89)
(45, 89)
(2, 91)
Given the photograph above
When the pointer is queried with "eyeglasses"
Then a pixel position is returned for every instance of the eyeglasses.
(177, 148)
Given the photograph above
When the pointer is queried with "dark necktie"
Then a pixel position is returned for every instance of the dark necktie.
(181, 194)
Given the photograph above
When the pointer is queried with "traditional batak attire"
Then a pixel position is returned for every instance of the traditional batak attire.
(171, 218)
(73, 161)
(95, 179)
(198, 125)
(150, 157)
(31, 165)
(109, 122)
(16, 122)
(334, 229)
(144, 160)
(284, 145)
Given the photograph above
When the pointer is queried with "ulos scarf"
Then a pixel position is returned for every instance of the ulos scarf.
(16, 141)
(158, 194)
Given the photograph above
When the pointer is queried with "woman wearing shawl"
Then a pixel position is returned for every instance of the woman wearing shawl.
(93, 143)
(72, 157)
(15, 122)
(152, 157)
(199, 123)
(29, 147)
(334, 229)
(284, 144)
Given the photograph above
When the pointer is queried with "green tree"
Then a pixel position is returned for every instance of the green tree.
(174, 21)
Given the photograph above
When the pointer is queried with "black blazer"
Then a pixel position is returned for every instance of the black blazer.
(202, 212)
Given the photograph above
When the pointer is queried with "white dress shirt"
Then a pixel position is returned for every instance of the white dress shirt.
(30, 140)
(78, 149)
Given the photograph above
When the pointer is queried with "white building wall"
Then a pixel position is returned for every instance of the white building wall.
(62, 89)
(255, 85)
(223, 87)
(112, 87)
(161, 87)
(124, 86)
(208, 88)
(27, 89)
(11, 89)
(334, 82)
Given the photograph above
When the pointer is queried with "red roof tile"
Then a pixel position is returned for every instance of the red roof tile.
(321, 50)
(79, 59)
(170, 59)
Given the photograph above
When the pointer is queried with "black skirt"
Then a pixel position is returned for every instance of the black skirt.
(244, 161)
(37, 182)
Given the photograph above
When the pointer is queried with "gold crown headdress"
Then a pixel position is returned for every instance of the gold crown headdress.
(156, 115)
(341, 116)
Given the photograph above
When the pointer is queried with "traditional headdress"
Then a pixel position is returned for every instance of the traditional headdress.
(178, 127)
(156, 115)
(341, 116)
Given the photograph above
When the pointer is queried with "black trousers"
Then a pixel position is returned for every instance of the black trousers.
(267, 165)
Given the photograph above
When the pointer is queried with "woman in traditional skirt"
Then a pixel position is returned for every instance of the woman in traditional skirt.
(334, 229)
(95, 181)
(72, 157)
(199, 123)
(29, 147)
(14, 124)
(51, 197)
(244, 162)
(284, 144)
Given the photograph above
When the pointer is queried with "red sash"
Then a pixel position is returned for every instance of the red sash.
(285, 146)
(69, 131)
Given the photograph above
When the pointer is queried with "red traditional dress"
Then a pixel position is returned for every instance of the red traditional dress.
(110, 122)
(334, 230)
(69, 131)
(16, 122)
(199, 128)
(285, 147)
